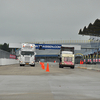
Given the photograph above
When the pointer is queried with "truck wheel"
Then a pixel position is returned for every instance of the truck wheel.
(22, 65)
(72, 67)
(33, 65)
(60, 66)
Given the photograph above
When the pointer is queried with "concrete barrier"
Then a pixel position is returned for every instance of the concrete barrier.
(4, 61)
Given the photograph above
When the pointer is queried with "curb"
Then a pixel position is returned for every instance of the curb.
(89, 68)
(82, 67)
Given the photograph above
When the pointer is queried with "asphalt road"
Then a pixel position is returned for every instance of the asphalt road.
(34, 83)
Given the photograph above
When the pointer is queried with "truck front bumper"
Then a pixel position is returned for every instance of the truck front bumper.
(66, 65)
(27, 63)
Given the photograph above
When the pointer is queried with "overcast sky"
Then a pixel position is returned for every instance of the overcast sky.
(44, 20)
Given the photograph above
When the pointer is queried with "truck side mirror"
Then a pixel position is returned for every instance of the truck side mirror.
(58, 56)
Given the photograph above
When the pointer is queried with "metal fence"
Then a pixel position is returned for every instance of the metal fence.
(4, 54)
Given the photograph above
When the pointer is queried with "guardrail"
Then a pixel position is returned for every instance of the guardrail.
(4, 61)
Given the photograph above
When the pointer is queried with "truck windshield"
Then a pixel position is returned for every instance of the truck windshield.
(27, 53)
(68, 59)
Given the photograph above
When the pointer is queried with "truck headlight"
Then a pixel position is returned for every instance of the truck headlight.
(32, 61)
(21, 61)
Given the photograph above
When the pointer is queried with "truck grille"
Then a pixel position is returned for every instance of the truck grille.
(27, 59)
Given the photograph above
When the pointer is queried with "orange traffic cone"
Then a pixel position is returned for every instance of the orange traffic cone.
(43, 67)
(81, 62)
(47, 69)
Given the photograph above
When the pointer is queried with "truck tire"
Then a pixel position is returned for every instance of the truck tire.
(33, 65)
(72, 67)
(60, 66)
(22, 65)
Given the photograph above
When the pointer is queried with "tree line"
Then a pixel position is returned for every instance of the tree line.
(5, 47)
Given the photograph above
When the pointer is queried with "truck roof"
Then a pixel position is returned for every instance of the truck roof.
(28, 47)
(67, 52)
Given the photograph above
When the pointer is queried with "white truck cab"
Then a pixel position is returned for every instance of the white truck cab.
(67, 58)
(27, 54)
